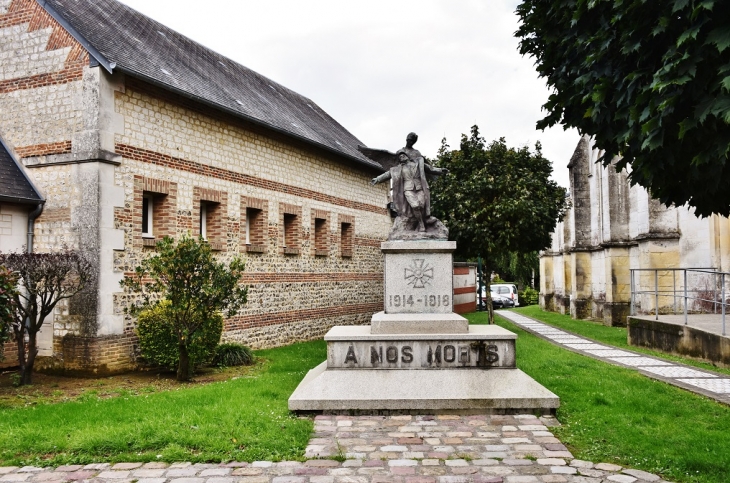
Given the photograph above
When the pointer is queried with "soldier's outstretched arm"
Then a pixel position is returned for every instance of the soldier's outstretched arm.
(383, 177)
(434, 170)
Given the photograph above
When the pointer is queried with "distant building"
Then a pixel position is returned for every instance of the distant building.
(613, 228)
(131, 132)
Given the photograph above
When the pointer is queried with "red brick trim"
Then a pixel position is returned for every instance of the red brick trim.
(164, 218)
(308, 277)
(290, 226)
(30, 12)
(217, 216)
(319, 232)
(19, 12)
(461, 270)
(465, 308)
(53, 215)
(61, 147)
(347, 235)
(259, 211)
(41, 80)
(276, 318)
(367, 242)
(461, 290)
(152, 157)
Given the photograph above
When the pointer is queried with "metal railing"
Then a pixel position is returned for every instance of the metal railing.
(703, 287)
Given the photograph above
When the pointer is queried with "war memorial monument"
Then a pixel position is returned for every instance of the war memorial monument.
(417, 355)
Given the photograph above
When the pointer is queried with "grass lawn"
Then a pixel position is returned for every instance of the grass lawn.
(609, 414)
(615, 415)
(616, 336)
(244, 419)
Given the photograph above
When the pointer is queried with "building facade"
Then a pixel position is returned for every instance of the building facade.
(613, 227)
(132, 132)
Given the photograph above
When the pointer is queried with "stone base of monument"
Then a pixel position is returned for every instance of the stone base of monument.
(425, 373)
(492, 391)
(418, 355)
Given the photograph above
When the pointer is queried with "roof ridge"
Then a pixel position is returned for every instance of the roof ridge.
(145, 48)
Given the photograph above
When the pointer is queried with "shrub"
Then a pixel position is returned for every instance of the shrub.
(158, 337)
(232, 354)
(529, 296)
(8, 290)
(198, 287)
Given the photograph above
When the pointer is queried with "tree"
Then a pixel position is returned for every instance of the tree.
(8, 290)
(650, 81)
(44, 280)
(496, 199)
(519, 267)
(196, 286)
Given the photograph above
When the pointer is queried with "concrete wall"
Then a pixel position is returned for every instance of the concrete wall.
(613, 228)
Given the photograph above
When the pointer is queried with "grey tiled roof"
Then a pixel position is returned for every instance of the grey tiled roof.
(14, 184)
(146, 49)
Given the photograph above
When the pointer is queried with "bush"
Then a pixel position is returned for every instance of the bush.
(159, 343)
(232, 354)
(8, 289)
(529, 296)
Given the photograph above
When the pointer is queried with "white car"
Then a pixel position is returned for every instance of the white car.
(508, 290)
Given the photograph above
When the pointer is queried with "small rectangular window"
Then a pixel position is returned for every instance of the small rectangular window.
(290, 231)
(320, 237)
(253, 233)
(291, 228)
(203, 220)
(148, 205)
(346, 239)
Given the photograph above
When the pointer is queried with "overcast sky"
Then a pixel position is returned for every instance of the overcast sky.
(383, 68)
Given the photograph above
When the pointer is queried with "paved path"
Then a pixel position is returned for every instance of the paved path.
(382, 449)
(710, 384)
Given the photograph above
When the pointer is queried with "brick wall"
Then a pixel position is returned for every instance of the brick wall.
(98, 355)
(323, 268)
(10, 355)
(179, 153)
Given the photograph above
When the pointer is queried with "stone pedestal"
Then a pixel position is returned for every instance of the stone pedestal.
(417, 355)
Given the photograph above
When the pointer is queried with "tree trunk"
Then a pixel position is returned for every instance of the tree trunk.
(20, 340)
(183, 365)
(27, 373)
(487, 268)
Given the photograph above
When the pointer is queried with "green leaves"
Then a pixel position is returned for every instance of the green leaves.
(661, 64)
(195, 288)
(496, 199)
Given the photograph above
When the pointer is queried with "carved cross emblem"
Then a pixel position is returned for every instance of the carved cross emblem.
(419, 274)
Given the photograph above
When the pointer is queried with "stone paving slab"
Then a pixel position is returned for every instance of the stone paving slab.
(388, 449)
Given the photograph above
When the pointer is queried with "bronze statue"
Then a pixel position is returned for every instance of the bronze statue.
(407, 170)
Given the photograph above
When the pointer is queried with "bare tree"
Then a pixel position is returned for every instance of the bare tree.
(44, 279)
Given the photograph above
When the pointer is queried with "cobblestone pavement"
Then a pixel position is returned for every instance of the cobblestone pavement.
(382, 449)
(710, 384)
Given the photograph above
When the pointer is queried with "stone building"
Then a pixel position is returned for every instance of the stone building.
(612, 228)
(132, 131)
